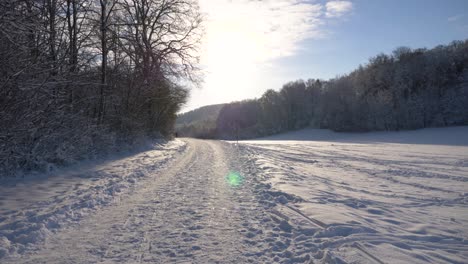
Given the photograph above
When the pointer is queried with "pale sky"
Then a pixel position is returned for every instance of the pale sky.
(254, 45)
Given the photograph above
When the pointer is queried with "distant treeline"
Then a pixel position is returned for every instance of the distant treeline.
(82, 77)
(408, 89)
(199, 123)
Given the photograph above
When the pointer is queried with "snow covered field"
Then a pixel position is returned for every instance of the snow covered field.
(391, 197)
(310, 196)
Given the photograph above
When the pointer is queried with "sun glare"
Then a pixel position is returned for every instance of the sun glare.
(230, 51)
(243, 40)
(232, 48)
(231, 58)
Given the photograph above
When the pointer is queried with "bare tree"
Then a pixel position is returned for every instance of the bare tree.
(78, 76)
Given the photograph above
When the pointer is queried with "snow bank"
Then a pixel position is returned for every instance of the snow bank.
(33, 207)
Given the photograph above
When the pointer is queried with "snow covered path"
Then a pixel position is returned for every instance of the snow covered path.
(185, 213)
(188, 213)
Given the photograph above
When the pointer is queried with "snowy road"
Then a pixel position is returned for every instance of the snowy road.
(186, 213)
(191, 212)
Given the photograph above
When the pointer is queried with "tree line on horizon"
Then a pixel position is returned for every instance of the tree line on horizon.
(199, 123)
(408, 89)
(80, 77)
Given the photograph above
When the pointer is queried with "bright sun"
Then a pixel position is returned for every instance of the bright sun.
(232, 44)
(234, 52)
(232, 48)
(242, 41)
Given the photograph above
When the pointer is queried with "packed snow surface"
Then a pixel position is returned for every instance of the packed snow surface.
(311, 196)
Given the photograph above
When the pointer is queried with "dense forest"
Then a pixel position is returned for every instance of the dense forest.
(407, 89)
(80, 78)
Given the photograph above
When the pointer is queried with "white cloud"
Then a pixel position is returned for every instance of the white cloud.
(455, 18)
(270, 28)
(338, 8)
(245, 37)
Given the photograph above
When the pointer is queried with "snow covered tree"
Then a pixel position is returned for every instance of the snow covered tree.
(79, 76)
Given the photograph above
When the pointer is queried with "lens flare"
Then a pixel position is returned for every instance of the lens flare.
(234, 179)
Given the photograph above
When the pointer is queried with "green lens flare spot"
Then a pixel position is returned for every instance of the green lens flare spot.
(234, 179)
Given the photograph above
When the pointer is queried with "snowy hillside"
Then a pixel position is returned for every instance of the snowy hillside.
(396, 197)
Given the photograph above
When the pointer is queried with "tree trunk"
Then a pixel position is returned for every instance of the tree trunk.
(104, 59)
